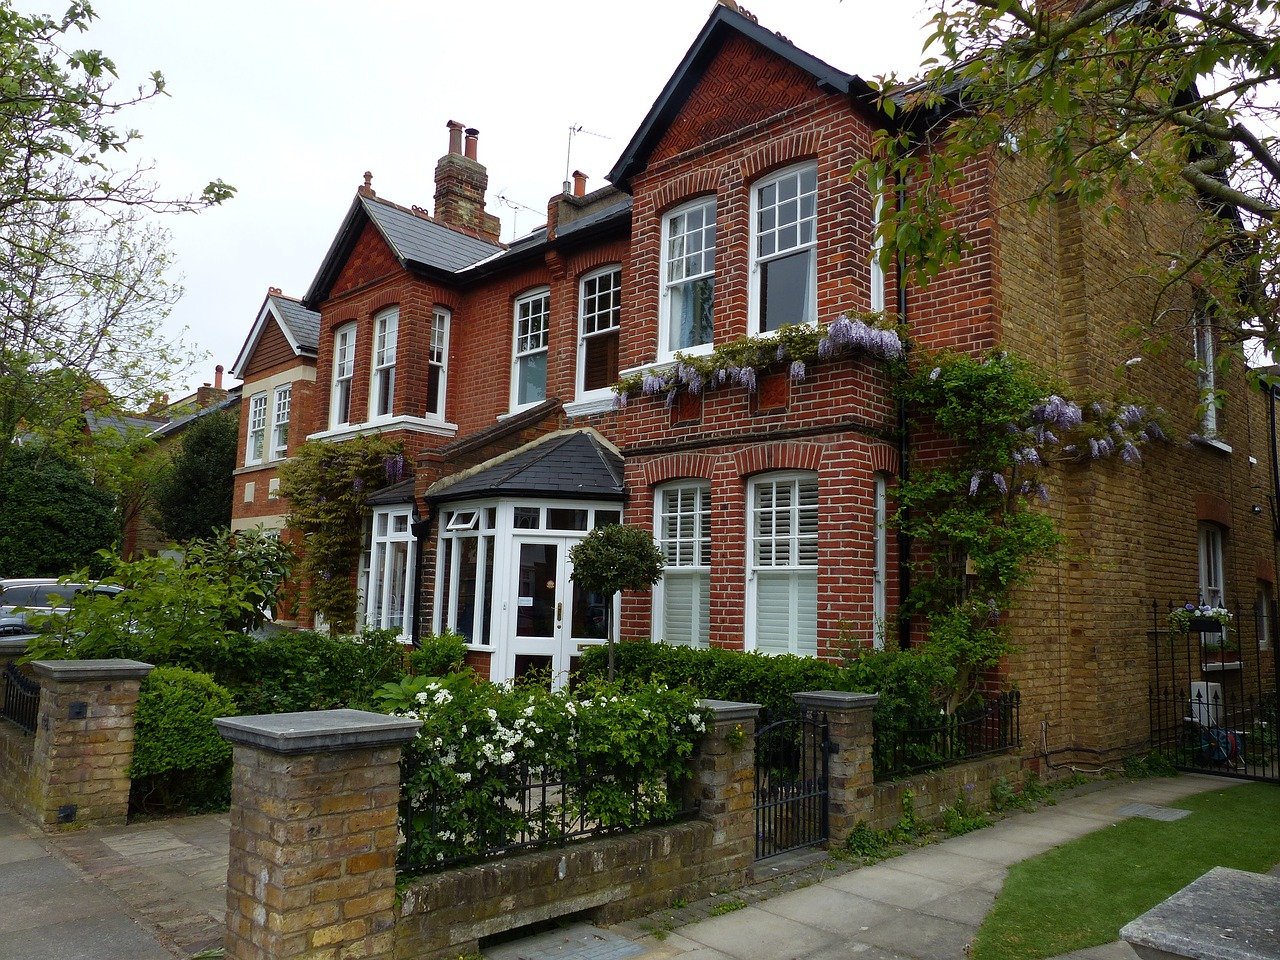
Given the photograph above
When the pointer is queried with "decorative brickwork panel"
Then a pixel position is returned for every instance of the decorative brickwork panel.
(744, 84)
(371, 259)
(272, 350)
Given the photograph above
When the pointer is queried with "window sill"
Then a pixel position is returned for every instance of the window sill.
(591, 405)
(1219, 667)
(257, 467)
(1213, 443)
(432, 428)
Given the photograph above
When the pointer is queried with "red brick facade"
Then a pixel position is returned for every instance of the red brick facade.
(749, 112)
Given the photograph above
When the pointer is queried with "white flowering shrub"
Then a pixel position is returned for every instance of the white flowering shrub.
(495, 767)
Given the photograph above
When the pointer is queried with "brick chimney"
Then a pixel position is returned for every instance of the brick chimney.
(461, 181)
(579, 183)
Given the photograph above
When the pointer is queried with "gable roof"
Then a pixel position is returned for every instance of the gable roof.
(416, 242)
(720, 26)
(572, 464)
(300, 326)
(181, 423)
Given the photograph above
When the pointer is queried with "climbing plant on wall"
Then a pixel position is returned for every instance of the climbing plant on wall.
(327, 485)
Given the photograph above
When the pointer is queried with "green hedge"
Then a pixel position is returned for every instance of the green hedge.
(179, 758)
(913, 685)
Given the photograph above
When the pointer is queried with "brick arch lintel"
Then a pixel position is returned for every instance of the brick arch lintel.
(1213, 509)
(678, 466)
(883, 458)
(779, 153)
(686, 187)
(784, 455)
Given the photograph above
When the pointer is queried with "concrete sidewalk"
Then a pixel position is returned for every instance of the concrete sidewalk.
(923, 905)
(150, 891)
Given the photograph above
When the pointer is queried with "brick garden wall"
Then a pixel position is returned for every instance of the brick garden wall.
(971, 782)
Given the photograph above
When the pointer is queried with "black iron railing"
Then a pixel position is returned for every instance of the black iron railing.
(544, 806)
(975, 730)
(21, 698)
(792, 750)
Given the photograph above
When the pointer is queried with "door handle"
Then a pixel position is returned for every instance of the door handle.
(559, 611)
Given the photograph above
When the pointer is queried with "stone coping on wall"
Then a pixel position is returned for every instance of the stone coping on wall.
(74, 671)
(1226, 914)
(836, 699)
(317, 731)
(13, 647)
(729, 710)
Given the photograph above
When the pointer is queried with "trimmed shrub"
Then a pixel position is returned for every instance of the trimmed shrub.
(179, 758)
(438, 655)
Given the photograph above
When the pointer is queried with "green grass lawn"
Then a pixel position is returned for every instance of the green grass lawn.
(1081, 893)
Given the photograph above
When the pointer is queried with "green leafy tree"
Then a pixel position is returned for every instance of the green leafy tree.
(83, 288)
(1110, 103)
(614, 558)
(55, 519)
(192, 495)
(327, 485)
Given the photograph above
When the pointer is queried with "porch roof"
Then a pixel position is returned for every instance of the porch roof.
(577, 465)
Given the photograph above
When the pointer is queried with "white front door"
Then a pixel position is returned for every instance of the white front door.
(552, 617)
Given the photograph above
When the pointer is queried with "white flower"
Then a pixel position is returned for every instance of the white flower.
(569, 709)
(442, 697)
(493, 714)
(507, 756)
(528, 711)
(464, 777)
(423, 697)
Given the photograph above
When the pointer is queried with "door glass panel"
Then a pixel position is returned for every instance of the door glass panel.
(591, 614)
(536, 596)
(468, 561)
(396, 587)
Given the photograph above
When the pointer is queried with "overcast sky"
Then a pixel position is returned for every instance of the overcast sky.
(291, 102)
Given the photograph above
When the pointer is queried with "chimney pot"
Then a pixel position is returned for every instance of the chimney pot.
(366, 189)
(472, 135)
(455, 136)
(217, 377)
(579, 183)
(273, 291)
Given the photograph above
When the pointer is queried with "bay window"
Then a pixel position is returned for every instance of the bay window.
(388, 588)
(382, 383)
(782, 556)
(688, 272)
(532, 330)
(682, 599)
(784, 226)
(599, 312)
(466, 561)
(344, 367)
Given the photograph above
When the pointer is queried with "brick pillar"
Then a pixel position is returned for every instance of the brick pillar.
(723, 783)
(83, 741)
(850, 773)
(313, 834)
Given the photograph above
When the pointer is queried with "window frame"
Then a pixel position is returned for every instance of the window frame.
(1263, 607)
(281, 397)
(438, 359)
(755, 309)
(1211, 540)
(379, 615)
(699, 572)
(880, 553)
(582, 393)
(382, 366)
(255, 447)
(537, 293)
(875, 267)
(666, 350)
(1204, 350)
(341, 383)
(751, 622)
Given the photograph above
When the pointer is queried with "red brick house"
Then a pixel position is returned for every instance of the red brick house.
(732, 212)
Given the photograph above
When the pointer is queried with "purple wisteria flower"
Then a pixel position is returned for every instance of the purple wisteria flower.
(825, 348)
(974, 481)
(1095, 449)
(1154, 432)
(1001, 483)
(782, 353)
(797, 370)
(1131, 414)
(1042, 492)
(934, 374)
(1129, 453)
(1058, 412)
(357, 484)
(746, 377)
(620, 399)
(652, 384)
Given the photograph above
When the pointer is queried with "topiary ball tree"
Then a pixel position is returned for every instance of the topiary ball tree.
(616, 558)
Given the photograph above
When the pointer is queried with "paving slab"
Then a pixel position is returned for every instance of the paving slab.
(923, 937)
(755, 934)
(896, 887)
(952, 868)
(111, 937)
(1119, 950)
(965, 905)
(578, 941)
(829, 908)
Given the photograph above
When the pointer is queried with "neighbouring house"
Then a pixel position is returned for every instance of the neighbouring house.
(732, 212)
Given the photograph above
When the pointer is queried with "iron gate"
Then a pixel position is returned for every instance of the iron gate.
(792, 748)
(1213, 693)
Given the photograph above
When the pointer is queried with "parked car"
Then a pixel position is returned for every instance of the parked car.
(19, 598)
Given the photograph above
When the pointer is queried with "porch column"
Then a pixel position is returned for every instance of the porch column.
(724, 784)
